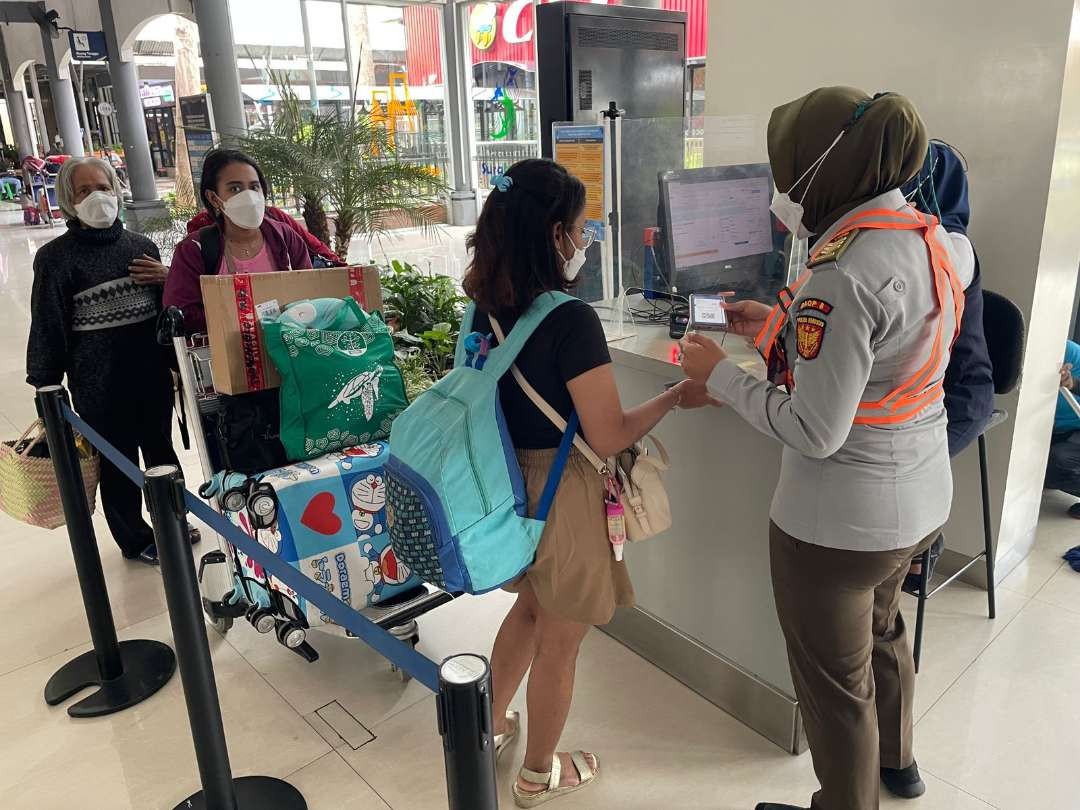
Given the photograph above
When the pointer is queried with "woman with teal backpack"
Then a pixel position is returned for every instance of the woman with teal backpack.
(531, 240)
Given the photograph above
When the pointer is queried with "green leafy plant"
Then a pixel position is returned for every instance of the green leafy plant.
(425, 312)
(168, 231)
(344, 160)
(283, 153)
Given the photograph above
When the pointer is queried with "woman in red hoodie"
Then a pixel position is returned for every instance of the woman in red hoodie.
(241, 238)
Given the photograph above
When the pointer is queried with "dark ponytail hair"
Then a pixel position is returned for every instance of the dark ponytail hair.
(213, 164)
(514, 259)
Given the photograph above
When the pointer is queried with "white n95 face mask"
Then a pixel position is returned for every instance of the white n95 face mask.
(98, 210)
(790, 212)
(246, 209)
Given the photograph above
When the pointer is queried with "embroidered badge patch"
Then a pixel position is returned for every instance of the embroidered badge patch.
(824, 307)
(810, 334)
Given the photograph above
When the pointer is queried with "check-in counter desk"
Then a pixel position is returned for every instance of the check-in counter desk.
(705, 609)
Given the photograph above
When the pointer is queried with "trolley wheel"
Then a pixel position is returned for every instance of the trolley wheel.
(223, 624)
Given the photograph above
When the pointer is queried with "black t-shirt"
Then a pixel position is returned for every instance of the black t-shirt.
(568, 343)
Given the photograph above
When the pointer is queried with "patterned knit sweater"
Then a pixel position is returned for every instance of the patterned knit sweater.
(90, 321)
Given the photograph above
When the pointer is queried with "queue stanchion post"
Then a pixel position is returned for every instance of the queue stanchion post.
(465, 724)
(165, 494)
(125, 672)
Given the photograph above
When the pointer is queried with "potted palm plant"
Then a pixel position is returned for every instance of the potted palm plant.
(279, 150)
(344, 160)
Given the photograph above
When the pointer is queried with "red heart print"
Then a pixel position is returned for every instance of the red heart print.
(319, 515)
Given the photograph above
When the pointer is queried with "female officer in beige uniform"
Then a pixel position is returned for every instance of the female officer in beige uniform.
(857, 351)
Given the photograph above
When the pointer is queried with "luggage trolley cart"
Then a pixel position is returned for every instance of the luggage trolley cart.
(227, 591)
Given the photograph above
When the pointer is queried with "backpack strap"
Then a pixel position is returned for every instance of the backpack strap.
(210, 246)
(554, 478)
(553, 415)
(465, 330)
(502, 357)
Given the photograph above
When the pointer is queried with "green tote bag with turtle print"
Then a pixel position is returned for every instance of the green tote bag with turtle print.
(339, 384)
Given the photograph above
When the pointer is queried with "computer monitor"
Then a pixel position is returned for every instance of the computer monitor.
(718, 233)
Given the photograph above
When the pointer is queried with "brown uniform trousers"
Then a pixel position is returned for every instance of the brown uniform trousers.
(850, 661)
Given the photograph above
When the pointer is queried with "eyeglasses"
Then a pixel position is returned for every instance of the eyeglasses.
(588, 235)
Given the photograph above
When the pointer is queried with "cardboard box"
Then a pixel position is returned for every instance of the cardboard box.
(238, 359)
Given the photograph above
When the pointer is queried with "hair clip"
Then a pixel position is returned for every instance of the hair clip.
(502, 182)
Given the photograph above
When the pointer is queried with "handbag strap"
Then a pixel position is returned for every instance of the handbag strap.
(545, 408)
(38, 427)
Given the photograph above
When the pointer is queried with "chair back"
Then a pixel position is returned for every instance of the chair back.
(1006, 333)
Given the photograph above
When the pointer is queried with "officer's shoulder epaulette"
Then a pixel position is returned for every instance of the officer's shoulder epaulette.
(832, 250)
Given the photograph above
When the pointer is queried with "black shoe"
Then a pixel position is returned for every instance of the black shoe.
(904, 782)
(1074, 511)
(774, 806)
(149, 555)
(913, 581)
(194, 535)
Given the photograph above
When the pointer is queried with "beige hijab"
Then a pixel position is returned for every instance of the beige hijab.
(883, 148)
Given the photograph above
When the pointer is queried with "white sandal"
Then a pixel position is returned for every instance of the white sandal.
(502, 741)
(586, 774)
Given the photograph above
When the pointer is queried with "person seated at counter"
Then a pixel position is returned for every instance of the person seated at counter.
(941, 189)
(856, 363)
(233, 190)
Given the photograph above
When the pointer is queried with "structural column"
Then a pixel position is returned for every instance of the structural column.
(313, 81)
(219, 68)
(38, 114)
(463, 195)
(140, 168)
(16, 105)
(63, 96)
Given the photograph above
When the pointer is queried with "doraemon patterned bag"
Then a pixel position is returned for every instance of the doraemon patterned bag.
(339, 385)
(330, 524)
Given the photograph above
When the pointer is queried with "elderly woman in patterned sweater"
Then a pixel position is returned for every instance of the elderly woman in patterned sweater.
(93, 318)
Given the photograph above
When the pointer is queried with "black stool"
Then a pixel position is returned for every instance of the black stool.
(1003, 323)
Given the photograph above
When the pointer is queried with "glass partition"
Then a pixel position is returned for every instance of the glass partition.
(694, 213)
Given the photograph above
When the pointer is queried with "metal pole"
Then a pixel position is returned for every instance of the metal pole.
(988, 526)
(219, 67)
(24, 143)
(463, 195)
(350, 69)
(464, 710)
(44, 141)
(88, 139)
(63, 97)
(128, 673)
(313, 84)
(165, 493)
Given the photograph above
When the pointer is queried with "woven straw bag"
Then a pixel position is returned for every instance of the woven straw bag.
(28, 489)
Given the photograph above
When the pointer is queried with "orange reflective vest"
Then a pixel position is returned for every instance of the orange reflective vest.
(924, 386)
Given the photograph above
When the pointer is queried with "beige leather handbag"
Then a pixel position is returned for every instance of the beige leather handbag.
(638, 470)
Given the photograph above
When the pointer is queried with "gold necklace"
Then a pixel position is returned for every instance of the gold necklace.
(245, 252)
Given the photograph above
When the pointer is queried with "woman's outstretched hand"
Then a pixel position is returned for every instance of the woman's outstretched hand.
(746, 318)
(694, 394)
(700, 356)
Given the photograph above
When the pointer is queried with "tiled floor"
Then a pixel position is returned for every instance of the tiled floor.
(998, 720)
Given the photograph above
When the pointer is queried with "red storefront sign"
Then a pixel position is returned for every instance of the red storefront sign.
(504, 32)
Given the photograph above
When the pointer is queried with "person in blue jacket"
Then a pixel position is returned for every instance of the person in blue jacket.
(940, 188)
(1063, 466)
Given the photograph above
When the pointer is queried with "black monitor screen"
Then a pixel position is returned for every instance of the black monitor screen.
(718, 232)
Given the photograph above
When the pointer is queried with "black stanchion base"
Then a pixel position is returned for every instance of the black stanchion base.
(148, 665)
(254, 793)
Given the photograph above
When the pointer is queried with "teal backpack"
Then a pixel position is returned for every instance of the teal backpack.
(457, 509)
